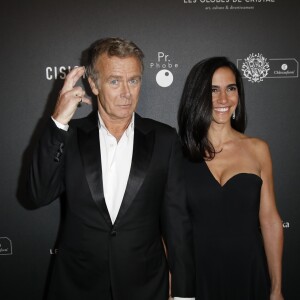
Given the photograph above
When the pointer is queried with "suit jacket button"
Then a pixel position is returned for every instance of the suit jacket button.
(113, 233)
(57, 157)
(61, 147)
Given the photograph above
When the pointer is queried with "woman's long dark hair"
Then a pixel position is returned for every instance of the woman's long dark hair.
(195, 108)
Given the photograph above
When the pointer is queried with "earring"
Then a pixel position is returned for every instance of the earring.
(233, 115)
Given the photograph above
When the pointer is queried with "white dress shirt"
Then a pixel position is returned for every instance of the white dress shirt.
(116, 160)
(116, 157)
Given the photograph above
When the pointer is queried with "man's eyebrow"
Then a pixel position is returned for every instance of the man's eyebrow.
(120, 77)
(135, 76)
(114, 76)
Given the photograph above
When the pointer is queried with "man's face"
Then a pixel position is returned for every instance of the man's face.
(118, 86)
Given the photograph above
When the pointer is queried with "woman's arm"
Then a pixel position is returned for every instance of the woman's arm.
(270, 222)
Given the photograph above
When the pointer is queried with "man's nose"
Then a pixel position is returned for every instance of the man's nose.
(126, 90)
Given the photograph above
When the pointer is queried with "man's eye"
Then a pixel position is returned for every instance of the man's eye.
(214, 90)
(114, 81)
(134, 81)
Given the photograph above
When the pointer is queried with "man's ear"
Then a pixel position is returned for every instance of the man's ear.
(93, 86)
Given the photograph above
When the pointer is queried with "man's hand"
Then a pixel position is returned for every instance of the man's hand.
(69, 97)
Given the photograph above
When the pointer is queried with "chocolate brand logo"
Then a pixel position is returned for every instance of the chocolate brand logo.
(256, 67)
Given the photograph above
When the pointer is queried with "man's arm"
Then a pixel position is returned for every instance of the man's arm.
(45, 180)
(177, 229)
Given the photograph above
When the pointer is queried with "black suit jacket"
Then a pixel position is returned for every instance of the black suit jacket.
(124, 260)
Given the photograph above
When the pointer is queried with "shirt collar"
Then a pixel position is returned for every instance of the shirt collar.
(128, 130)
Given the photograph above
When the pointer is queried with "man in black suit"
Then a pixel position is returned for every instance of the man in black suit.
(120, 175)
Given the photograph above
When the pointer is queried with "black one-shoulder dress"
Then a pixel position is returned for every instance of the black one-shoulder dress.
(229, 253)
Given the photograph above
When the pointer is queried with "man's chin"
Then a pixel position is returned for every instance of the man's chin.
(124, 114)
(125, 110)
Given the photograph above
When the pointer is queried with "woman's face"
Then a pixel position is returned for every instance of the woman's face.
(224, 95)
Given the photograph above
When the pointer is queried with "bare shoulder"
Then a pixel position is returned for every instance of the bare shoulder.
(259, 148)
(259, 144)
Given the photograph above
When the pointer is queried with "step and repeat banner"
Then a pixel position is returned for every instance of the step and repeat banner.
(43, 40)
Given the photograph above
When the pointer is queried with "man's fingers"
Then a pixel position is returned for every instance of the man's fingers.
(77, 92)
(67, 104)
(85, 100)
(72, 78)
(70, 97)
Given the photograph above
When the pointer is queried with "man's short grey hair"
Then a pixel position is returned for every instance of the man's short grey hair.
(112, 47)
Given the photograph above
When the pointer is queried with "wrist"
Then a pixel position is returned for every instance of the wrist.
(59, 119)
(60, 125)
(276, 290)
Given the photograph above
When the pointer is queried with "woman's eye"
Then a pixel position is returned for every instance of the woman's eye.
(232, 89)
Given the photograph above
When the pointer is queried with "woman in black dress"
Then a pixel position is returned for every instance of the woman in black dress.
(238, 233)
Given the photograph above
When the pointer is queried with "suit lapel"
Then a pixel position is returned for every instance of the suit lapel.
(89, 147)
(141, 158)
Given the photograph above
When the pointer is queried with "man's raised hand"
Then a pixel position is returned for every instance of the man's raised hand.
(69, 97)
